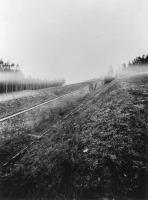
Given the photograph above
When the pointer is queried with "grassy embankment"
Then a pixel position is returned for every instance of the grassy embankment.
(37, 119)
(14, 105)
(99, 151)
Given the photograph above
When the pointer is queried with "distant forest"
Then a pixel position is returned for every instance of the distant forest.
(12, 79)
(8, 67)
(140, 60)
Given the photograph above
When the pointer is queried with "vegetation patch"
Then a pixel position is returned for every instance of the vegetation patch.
(99, 151)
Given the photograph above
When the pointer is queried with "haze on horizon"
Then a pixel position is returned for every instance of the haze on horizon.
(72, 39)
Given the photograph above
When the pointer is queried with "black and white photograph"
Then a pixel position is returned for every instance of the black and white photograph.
(73, 99)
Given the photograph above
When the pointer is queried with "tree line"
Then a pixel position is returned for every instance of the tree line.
(139, 60)
(12, 79)
(8, 67)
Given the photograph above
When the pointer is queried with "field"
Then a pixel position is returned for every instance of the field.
(99, 151)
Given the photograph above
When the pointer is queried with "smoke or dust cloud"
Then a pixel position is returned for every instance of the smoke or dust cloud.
(11, 77)
(18, 77)
(132, 71)
(76, 40)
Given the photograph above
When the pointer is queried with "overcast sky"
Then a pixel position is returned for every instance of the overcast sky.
(72, 39)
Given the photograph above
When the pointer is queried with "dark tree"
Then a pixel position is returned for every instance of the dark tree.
(140, 60)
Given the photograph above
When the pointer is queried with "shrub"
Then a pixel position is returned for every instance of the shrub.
(108, 80)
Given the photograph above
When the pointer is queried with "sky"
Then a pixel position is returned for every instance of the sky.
(72, 39)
